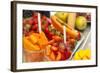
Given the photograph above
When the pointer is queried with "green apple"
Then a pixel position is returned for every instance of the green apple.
(62, 15)
(81, 23)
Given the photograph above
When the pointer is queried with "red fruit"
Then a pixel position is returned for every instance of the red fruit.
(44, 17)
(59, 55)
(35, 27)
(31, 21)
(79, 36)
(68, 54)
(49, 35)
(35, 21)
(35, 15)
(46, 30)
(54, 48)
(62, 46)
(63, 56)
(55, 44)
(49, 21)
(25, 21)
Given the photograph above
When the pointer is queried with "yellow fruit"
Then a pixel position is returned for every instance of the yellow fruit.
(81, 53)
(42, 39)
(88, 53)
(29, 46)
(81, 23)
(33, 39)
(48, 50)
(76, 56)
(84, 58)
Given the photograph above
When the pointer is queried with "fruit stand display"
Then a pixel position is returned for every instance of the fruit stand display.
(44, 38)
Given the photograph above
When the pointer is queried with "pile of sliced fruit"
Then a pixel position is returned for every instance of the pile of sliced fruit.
(82, 54)
(51, 38)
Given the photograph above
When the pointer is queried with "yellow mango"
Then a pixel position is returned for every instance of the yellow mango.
(81, 53)
(84, 58)
(76, 56)
(29, 46)
(33, 39)
(42, 39)
(88, 53)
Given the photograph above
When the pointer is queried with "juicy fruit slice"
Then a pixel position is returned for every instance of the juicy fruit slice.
(58, 56)
(54, 48)
(81, 23)
(83, 54)
(68, 54)
(84, 58)
(48, 50)
(29, 46)
(88, 53)
(42, 39)
(33, 39)
(76, 56)
(52, 56)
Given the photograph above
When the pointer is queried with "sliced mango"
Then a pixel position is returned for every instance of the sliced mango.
(42, 39)
(76, 56)
(81, 53)
(33, 39)
(84, 58)
(88, 53)
(29, 46)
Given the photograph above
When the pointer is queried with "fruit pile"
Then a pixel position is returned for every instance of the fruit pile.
(82, 54)
(57, 50)
(51, 37)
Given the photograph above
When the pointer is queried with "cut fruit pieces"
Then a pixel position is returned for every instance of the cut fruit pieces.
(48, 50)
(52, 56)
(58, 58)
(29, 46)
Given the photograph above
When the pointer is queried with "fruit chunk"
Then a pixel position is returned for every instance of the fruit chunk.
(84, 58)
(81, 23)
(57, 38)
(42, 39)
(29, 46)
(76, 56)
(33, 39)
(52, 56)
(68, 54)
(48, 50)
(54, 48)
(88, 53)
(82, 54)
(58, 56)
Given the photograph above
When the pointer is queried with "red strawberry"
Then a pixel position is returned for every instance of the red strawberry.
(68, 54)
(31, 21)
